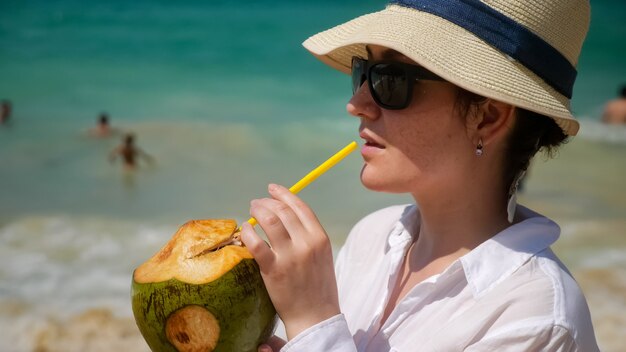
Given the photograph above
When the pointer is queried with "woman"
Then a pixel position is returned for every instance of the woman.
(454, 99)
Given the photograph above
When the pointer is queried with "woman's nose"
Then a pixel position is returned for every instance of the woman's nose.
(362, 104)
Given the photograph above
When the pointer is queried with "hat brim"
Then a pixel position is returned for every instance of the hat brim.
(447, 50)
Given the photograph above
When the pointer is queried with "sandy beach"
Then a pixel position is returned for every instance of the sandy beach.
(96, 330)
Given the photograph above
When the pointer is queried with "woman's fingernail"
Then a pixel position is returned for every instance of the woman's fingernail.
(272, 187)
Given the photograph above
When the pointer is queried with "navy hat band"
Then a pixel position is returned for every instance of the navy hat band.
(506, 35)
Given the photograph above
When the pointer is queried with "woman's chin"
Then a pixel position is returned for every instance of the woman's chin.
(380, 182)
(375, 184)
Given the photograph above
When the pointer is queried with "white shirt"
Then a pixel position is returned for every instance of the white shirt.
(510, 293)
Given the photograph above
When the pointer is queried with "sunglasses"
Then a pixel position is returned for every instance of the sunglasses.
(390, 83)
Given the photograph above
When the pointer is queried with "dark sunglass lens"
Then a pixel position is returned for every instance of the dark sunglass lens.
(358, 74)
(389, 84)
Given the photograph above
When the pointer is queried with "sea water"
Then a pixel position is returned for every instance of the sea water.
(224, 98)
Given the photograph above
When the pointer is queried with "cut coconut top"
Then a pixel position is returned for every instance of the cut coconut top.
(201, 251)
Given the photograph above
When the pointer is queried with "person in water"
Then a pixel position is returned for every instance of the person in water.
(454, 98)
(103, 127)
(615, 110)
(130, 153)
(5, 112)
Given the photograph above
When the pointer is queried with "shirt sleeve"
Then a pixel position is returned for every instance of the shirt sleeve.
(529, 338)
(331, 335)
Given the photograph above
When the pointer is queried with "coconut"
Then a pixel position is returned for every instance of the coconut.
(202, 291)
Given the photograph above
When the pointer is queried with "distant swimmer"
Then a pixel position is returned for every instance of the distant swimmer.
(615, 110)
(129, 153)
(5, 112)
(103, 127)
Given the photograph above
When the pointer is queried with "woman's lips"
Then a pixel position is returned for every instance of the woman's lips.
(370, 141)
(370, 148)
(374, 145)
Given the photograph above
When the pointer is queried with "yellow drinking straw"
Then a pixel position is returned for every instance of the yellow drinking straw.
(311, 176)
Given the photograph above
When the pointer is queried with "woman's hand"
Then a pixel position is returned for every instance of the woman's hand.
(274, 343)
(298, 267)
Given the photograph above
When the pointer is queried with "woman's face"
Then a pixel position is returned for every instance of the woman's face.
(422, 148)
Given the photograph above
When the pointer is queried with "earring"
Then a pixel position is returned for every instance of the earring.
(479, 148)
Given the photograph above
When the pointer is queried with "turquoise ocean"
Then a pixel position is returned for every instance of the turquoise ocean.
(224, 97)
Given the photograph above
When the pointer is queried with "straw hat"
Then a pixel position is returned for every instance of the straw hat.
(522, 52)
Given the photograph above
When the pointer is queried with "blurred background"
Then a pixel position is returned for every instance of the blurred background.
(224, 98)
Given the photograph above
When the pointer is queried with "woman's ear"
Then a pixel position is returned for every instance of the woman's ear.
(492, 121)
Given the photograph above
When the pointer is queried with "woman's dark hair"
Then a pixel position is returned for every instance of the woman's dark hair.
(532, 132)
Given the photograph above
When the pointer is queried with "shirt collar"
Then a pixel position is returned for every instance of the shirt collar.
(404, 230)
(497, 258)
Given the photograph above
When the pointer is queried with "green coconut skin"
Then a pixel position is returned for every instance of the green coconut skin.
(238, 300)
